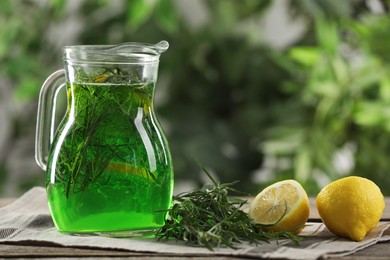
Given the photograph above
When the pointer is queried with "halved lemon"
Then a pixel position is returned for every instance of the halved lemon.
(282, 206)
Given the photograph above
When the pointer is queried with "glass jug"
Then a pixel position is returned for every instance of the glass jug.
(108, 165)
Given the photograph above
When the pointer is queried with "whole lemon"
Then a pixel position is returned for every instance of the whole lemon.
(351, 206)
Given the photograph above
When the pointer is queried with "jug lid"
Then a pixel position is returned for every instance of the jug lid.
(127, 53)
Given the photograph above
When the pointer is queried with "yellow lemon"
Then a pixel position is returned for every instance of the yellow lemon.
(284, 203)
(351, 206)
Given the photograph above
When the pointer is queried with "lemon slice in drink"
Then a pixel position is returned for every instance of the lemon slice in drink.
(126, 168)
(282, 206)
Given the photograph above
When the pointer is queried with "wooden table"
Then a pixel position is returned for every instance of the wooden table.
(380, 251)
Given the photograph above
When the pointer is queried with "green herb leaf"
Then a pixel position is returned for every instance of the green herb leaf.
(209, 217)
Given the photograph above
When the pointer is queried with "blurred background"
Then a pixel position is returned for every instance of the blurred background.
(257, 91)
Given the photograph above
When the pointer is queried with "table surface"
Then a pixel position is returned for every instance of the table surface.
(380, 251)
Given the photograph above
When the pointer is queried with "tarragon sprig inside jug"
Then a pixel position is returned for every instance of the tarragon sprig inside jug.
(90, 152)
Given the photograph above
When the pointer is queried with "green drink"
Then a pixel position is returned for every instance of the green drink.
(112, 171)
(109, 168)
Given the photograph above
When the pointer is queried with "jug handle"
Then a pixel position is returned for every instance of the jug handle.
(46, 116)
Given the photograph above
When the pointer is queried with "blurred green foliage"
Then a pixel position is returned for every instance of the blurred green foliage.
(234, 103)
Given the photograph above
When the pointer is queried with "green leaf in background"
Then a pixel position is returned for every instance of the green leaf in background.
(166, 16)
(138, 11)
(378, 36)
(341, 71)
(372, 114)
(385, 87)
(306, 55)
(325, 89)
(302, 165)
(8, 33)
(27, 89)
(58, 4)
(283, 140)
(327, 35)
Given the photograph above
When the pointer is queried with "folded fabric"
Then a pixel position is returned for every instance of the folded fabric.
(28, 219)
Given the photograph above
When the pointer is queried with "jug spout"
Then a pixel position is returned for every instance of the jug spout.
(131, 48)
(162, 46)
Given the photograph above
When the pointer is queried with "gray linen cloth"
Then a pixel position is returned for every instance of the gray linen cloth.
(28, 220)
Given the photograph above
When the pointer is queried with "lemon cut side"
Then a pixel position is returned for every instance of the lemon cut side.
(283, 206)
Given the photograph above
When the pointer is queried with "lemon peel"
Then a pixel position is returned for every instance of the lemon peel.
(350, 207)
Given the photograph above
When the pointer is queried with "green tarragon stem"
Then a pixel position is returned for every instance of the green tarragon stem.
(209, 217)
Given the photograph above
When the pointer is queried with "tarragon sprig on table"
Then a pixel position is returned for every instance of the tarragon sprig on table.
(209, 217)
